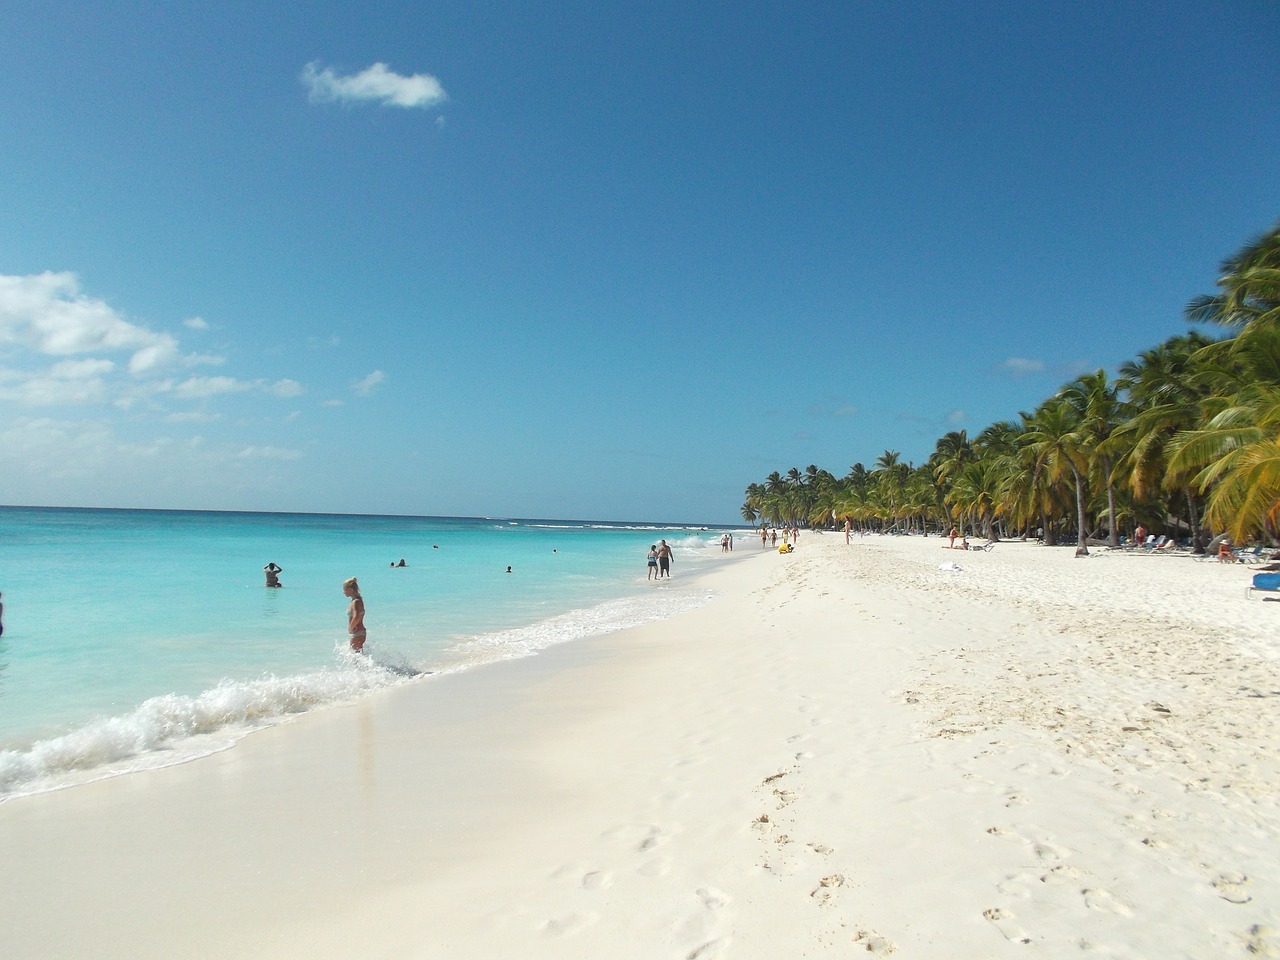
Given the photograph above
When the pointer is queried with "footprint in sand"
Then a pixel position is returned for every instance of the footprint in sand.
(657, 867)
(568, 925)
(709, 950)
(1231, 887)
(705, 922)
(821, 848)
(1263, 941)
(597, 880)
(826, 888)
(1106, 902)
(655, 838)
(875, 944)
(712, 898)
(1004, 922)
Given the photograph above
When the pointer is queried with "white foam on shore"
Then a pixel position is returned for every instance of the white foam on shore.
(604, 618)
(173, 728)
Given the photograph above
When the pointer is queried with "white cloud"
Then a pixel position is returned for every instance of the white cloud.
(198, 387)
(196, 323)
(956, 416)
(365, 386)
(1021, 366)
(80, 369)
(46, 312)
(376, 84)
(286, 388)
(269, 453)
(52, 390)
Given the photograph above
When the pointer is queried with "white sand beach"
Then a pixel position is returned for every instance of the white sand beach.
(849, 751)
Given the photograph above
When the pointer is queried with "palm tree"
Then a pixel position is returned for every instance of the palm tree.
(1250, 285)
(1234, 450)
(1096, 405)
(1167, 387)
(1055, 438)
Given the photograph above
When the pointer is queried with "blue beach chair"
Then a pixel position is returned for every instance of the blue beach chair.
(1264, 583)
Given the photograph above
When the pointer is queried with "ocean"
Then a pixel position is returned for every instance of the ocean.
(140, 638)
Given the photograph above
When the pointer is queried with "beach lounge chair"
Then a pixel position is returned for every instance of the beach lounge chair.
(1264, 583)
(984, 547)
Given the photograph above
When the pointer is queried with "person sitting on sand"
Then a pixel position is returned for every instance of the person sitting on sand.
(355, 614)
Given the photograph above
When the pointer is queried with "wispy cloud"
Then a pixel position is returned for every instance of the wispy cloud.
(286, 388)
(1021, 366)
(194, 388)
(196, 323)
(269, 453)
(364, 387)
(375, 84)
(956, 416)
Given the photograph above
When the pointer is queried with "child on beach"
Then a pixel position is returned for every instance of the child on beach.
(355, 614)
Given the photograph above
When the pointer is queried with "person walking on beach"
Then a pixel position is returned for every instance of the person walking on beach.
(764, 538)
(355, 615)
(653, 562)
(664, 559)
(952, 537)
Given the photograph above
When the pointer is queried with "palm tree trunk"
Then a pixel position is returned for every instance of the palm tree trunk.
(1197, 536)
(1113, 537)
(1082, 548)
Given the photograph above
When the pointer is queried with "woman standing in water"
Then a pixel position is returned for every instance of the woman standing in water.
(355, 614)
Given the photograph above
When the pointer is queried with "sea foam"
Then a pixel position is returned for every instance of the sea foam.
(173, 728)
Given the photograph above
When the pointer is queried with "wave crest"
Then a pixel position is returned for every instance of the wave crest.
(150, 734)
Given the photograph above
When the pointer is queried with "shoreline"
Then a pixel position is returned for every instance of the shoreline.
(848, 749)
(168, 728)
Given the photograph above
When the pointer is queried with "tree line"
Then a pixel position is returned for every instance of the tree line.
(1184, 441)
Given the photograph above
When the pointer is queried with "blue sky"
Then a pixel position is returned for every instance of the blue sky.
(566, 260)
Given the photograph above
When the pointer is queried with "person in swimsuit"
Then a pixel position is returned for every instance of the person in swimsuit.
(273, 574)
(355, 614)
(653, 561)
(664, 559)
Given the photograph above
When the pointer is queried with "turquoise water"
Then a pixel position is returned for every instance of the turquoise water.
(134, 638)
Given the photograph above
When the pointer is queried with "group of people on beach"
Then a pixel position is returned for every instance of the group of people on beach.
(769, 536)
(659, 560)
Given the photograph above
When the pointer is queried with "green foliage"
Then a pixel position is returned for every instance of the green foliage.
(1190, 426)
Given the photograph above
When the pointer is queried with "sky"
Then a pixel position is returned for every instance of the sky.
(591, 261)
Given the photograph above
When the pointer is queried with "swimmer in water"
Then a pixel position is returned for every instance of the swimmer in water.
(355, 614)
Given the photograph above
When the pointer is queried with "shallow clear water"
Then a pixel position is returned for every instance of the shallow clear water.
(132, 636)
